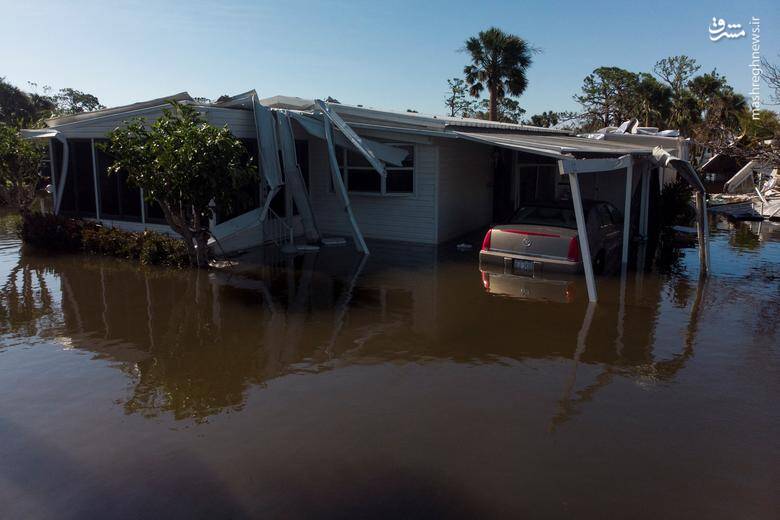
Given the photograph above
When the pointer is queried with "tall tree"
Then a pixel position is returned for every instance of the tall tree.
(16, 106)
(507, 111)
(608, 97)
(676, 72)
(457, 101)
(183, 163)
(653, 101)
(498, 63)
(770, 72)
(72, 101)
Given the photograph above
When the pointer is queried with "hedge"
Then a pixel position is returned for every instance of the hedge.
(58, 233)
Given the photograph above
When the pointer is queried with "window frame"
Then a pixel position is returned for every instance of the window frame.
(383, 192)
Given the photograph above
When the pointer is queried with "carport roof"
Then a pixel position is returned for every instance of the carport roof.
(556, 146)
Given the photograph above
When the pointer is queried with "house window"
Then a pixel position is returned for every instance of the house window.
(360, 177)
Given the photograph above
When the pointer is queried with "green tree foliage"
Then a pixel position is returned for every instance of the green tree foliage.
(608, 97)
(457, 101)
(545, 119)
(718, 108)
(498, 64)
(508, 110)
(29, 109)
(17, 108)
(676, 72)
(652, 101)
(72, 101)
(184, 164)
(20, 161)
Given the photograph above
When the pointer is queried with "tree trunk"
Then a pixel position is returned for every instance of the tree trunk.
(493, 113)
(201, 248)
(196, 240)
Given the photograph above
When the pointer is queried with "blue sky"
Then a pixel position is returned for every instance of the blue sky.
(390, 54)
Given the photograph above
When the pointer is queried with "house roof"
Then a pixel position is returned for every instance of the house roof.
(432, 122)
(64, 120)
(359, 114)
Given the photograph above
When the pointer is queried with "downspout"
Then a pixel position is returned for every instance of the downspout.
(59, 187)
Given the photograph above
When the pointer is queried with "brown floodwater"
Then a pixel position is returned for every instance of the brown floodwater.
(403, 385)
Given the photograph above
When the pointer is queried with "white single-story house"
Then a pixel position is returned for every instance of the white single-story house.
(330, 169)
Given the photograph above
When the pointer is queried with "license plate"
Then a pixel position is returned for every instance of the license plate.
(525, 267)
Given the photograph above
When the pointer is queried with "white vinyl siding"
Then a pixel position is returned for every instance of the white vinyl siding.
(465, 187)
(402, 217)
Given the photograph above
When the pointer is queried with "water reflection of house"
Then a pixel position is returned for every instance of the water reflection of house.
(195, 342)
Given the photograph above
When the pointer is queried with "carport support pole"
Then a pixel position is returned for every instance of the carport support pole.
(643, 209)
(582, 232)
(627, 212)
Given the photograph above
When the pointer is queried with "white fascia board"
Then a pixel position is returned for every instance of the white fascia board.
(42, 133)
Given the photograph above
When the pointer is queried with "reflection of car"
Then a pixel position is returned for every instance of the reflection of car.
(552, 288)
(542, 237)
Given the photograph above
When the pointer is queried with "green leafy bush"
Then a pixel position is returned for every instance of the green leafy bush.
(157, 249)
(677, 204)
(57, 233)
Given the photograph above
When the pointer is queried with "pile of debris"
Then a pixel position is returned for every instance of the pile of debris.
(631, 127)
(753, 193)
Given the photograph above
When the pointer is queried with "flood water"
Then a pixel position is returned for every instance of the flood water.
(405, 385)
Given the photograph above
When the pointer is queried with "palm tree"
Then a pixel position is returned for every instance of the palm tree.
(499, 61)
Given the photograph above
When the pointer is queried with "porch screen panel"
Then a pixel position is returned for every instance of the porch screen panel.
(78, 198)
(118, 199)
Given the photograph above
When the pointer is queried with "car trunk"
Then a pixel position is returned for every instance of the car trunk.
(532, 240)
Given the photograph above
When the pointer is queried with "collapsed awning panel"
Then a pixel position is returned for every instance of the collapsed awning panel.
(350, 134)
(554, 146)
(267, 145)
(684, 168)
(386, 153)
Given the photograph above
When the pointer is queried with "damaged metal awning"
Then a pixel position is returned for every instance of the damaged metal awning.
(554, 146)
(269, 153)
(313, 124)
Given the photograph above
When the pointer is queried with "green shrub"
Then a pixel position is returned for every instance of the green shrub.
(111, 242)
(57, 233)
(158, 249)
(677, 204)
(51, 232)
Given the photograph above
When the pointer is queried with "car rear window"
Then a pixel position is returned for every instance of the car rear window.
(545, 216)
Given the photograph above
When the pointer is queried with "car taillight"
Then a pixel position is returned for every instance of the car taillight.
(486, 280)
(574, 250)
(486, 240)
